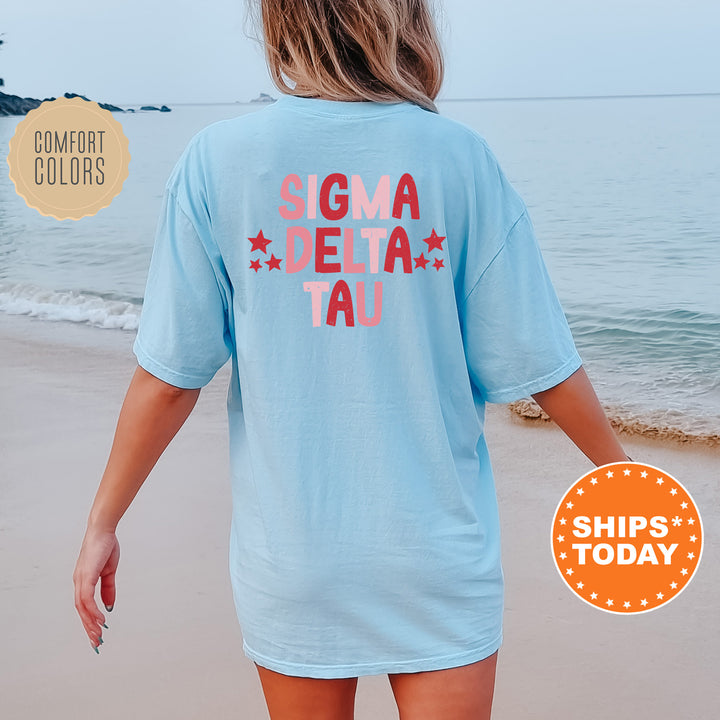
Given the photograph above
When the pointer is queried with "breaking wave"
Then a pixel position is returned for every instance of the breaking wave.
(99, 310)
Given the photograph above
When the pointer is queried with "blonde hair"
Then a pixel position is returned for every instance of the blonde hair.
(377, 50)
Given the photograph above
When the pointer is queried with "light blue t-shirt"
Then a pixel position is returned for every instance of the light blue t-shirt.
(374, 279)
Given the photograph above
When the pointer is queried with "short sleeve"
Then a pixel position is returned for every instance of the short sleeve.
(183, 336)
(517, 339)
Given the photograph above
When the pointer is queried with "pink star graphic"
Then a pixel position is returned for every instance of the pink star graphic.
(438, 263)
(255, 265)
(273, 262)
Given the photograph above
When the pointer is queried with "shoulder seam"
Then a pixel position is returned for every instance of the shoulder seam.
(208, 251)
(494, 257)
(472, 134)
(173, 193)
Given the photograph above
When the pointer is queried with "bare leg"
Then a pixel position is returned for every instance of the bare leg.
(300, 698)
(461, 693)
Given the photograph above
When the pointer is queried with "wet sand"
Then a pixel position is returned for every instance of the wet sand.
(173, 647)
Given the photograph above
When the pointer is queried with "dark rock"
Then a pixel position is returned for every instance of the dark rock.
(73, 95)
(104, 106)
(15, 105)
(263, 98)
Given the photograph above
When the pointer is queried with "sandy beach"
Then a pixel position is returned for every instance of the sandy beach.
(173, 647)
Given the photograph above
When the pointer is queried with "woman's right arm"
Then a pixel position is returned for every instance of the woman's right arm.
(152, 413)
(575, 408)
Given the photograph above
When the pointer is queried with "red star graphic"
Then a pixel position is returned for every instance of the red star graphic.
(438, 263)
(273, 262)
(434, 241)
(259, 242)
(421, 261)
(255, 265)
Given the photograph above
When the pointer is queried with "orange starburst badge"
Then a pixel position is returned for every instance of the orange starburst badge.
(627, 538)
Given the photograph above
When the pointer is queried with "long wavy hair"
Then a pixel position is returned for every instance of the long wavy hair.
(377, 50)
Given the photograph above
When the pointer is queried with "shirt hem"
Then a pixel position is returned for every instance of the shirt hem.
(545, 382)
(442, 662)
(166, 374)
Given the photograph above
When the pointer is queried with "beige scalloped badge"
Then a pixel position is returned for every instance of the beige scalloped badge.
(68, 158)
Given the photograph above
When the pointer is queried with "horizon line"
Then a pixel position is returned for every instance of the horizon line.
(471, 99)
(581, 97)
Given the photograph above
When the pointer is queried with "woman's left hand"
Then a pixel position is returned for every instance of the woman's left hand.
(98, 560)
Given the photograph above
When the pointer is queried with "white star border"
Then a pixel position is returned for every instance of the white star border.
(569, 572)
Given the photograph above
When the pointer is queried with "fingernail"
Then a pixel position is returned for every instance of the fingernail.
(101, 641)
(96, 650)
(109, 607)
(105, 626)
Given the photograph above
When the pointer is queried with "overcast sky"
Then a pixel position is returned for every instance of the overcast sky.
(145, 51)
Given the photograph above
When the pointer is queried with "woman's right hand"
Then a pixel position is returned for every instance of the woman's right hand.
(153, 411)
(98, 560)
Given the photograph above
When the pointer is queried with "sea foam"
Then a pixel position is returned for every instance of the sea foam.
(80, 307)
(658, 424)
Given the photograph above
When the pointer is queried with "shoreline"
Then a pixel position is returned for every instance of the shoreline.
(530, 413)
(59, 330)
(173, 637)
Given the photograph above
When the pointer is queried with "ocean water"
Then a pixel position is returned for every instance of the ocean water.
(624, 194)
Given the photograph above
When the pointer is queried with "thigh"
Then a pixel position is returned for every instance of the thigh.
(301, 698)
(461, 693)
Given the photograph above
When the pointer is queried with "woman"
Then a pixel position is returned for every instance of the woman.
(375, 279)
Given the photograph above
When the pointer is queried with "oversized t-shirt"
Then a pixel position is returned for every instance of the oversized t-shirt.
(374, 279)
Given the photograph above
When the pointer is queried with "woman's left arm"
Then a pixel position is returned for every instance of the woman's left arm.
(575, 408)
